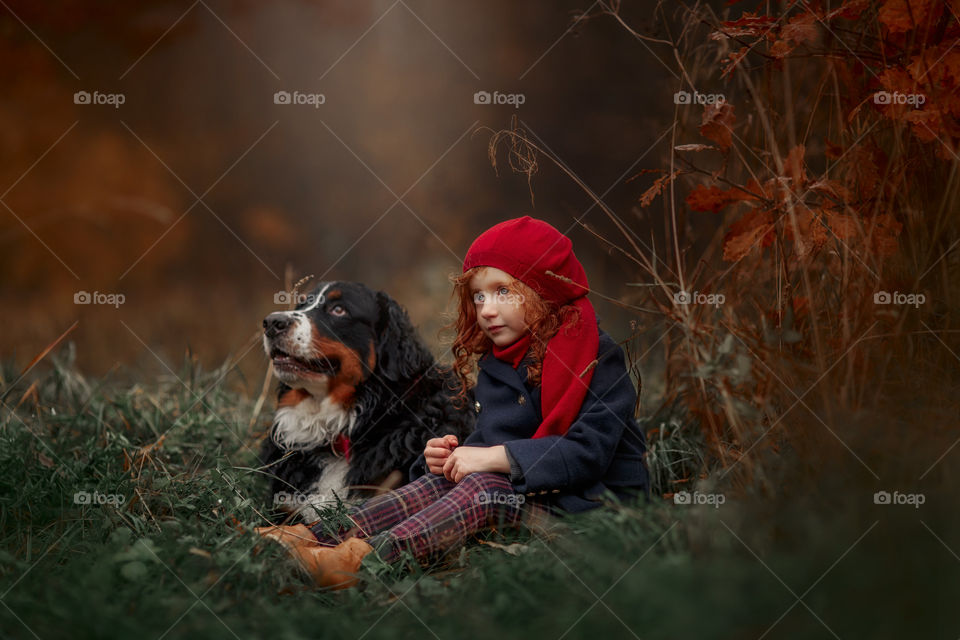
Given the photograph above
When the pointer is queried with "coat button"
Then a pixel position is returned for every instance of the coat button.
(521, 399)
(531, 493)
(476, 405)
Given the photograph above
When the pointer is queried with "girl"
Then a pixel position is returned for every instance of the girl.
(554, 403)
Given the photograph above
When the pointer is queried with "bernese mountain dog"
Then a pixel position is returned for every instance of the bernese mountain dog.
(359, 396)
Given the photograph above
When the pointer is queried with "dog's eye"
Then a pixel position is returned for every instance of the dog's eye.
(338, 311)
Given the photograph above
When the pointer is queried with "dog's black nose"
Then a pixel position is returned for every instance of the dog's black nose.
(276, 323)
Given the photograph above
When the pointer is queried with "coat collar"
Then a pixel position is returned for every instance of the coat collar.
(504, 372)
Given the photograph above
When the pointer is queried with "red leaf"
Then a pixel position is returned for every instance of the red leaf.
(834, 189)
(704, 198)
(658, 186)
(749, 24)
(842, 225)
(806, 231)
(927, 123)
(731, 62)
(753, 229)
(937, 66)
(793, 165)
(799, 29)
(900, 16)
(717, 123)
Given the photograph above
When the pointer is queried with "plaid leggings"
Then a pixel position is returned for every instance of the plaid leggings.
(432, 516)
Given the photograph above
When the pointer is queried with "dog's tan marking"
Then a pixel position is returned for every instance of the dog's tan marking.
(343, 386)
(293, 397)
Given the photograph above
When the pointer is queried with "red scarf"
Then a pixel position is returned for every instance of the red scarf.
(513, 353)
(541, 257)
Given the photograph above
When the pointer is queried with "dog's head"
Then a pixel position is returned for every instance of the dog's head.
(340, 335)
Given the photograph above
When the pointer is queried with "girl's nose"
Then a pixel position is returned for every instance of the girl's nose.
(488, 310)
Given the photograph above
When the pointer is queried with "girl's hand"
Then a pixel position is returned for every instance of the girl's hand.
(467, 460)
(437, 451)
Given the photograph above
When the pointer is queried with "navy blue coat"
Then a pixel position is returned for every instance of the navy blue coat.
(603, 448)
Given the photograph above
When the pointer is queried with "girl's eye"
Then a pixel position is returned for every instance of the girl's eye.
(478, 298)
(338, 311)
(503, 291)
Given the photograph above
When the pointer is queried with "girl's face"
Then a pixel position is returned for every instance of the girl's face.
(499, 310)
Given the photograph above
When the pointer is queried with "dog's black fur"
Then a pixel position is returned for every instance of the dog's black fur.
(322, 353)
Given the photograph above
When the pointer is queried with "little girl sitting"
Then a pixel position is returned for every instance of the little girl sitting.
(554, 402)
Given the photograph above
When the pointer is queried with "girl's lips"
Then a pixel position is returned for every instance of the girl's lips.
(495, 329)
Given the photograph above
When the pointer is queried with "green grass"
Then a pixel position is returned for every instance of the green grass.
(178, 558)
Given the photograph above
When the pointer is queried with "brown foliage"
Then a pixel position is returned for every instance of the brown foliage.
(834, 174)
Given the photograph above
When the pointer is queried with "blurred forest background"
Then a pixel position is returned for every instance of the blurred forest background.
(194, 196)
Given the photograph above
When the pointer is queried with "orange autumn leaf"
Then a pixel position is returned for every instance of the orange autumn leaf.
(657, 188)
(843, 226)
(938, 65)
(704, 198)
(834, 191)
(717, 123)
(805, 229)
(900, 16)
(754, 229)
(793, 167)
(798, 30)
(728, 64)
(927, 123)
(749, 24)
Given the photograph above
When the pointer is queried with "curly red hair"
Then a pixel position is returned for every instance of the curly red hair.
(542, 318)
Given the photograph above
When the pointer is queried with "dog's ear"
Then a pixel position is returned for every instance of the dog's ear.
(400, 353)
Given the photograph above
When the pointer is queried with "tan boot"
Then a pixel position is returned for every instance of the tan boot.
(290, 536)
(333, 567)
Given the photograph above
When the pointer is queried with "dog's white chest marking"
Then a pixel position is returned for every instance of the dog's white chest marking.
(312, 423)
(325, 491)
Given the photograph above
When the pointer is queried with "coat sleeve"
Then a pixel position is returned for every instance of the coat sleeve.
(581, 456)
(417, 468)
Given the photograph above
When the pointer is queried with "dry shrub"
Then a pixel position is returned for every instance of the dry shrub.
(806, 276)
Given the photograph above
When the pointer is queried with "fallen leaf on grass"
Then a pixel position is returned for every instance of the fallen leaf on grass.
(514, 549)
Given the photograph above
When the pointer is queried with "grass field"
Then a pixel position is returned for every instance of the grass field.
(165, 548)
